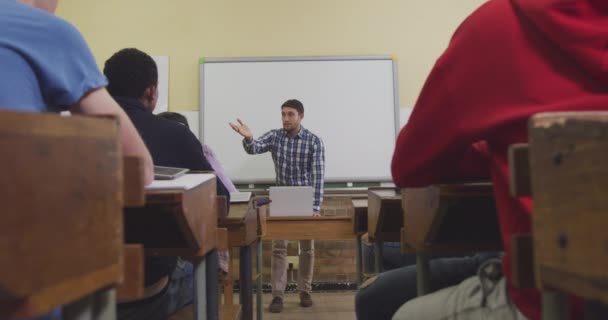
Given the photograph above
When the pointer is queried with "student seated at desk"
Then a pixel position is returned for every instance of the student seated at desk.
(509, 60)
(222, 255)
(47, 66)
(133, 78)
(381, 296)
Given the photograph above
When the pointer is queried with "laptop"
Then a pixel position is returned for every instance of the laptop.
(238, 197)
(291, 201)
(168, 173)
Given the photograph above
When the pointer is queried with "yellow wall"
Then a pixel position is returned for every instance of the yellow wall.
(415, 31)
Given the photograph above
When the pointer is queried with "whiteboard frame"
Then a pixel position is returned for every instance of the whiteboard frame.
(204, 61)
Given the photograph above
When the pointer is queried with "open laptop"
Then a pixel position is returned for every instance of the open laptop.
(291, 201)
(236, 197)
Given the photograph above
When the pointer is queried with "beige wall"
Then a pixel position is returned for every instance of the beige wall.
(413, 31)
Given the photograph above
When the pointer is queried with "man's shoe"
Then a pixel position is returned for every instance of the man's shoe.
(276, 306)
(305, 299)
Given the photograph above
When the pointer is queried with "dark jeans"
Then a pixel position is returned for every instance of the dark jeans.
(391, 257)
(178, 293)
(381, 296)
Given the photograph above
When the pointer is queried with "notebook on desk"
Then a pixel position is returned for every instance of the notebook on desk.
(237, 197)
(291, 201)
(168, 173)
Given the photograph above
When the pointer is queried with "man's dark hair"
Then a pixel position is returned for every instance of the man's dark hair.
(130, 72)
(174, 116)
(293, 103)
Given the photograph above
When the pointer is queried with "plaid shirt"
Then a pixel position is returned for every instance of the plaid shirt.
(298, 161)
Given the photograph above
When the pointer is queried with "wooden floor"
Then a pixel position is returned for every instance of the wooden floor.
(327, 306)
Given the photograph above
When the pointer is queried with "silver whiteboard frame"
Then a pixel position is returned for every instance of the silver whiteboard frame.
(201, 100)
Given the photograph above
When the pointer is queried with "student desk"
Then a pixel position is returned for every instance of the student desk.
(448, 218)
(309, 228)
(569, 184)
(384, 220)
(62, 204)
(182, 222)
(245, 224)
(359, 220)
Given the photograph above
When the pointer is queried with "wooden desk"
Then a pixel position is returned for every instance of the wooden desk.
(182, 223)
(359, 220)
(61, 222)
(309, 228)
(448, 218)
(246, 224)
(385, 219)
(569, 174)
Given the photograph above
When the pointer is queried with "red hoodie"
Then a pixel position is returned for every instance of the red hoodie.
(507, 61)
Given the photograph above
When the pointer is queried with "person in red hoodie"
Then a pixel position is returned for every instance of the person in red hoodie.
(507, 61)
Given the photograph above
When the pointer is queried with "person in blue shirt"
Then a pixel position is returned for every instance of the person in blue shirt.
(299, 160)
(47, 67)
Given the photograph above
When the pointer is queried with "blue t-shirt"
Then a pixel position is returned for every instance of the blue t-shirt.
(45, 64)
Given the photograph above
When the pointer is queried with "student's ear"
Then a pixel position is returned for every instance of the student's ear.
(302, 116)
(151, 93)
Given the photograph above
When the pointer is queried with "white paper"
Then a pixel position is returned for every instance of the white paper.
(185, 182)
(162, 64)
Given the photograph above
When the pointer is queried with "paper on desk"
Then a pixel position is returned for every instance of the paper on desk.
(185, 182)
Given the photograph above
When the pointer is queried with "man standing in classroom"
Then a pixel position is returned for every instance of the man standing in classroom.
(299, 160)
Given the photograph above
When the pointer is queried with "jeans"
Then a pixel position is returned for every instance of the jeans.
(381, 296)
(391, 257)
(178, 293)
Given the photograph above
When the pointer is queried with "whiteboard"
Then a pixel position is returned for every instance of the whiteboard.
(350, 102)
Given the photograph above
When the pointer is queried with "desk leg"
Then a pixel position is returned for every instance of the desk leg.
(423, 274)
(246, 283)
(213, 290)
(378, 254)
(359, 260)
(200, 288)
(259, 283)
(100, 305)
(555, 306)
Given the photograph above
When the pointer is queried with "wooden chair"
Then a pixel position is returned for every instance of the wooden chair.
(569, 182)
(359, 220)
(61, 227)
(448, 218)
(181, 220)
(246, 224)
(384, 220)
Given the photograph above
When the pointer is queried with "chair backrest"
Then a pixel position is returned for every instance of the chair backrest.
(569, 176)
(61, 223)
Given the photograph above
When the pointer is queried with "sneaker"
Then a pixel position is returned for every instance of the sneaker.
(305, 299)
(276, 306)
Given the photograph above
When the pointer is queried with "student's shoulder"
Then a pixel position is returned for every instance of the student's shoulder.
(172, 127)
(42, 23)
(491, 21)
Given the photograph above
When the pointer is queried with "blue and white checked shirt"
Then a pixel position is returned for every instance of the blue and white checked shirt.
(298, 161)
